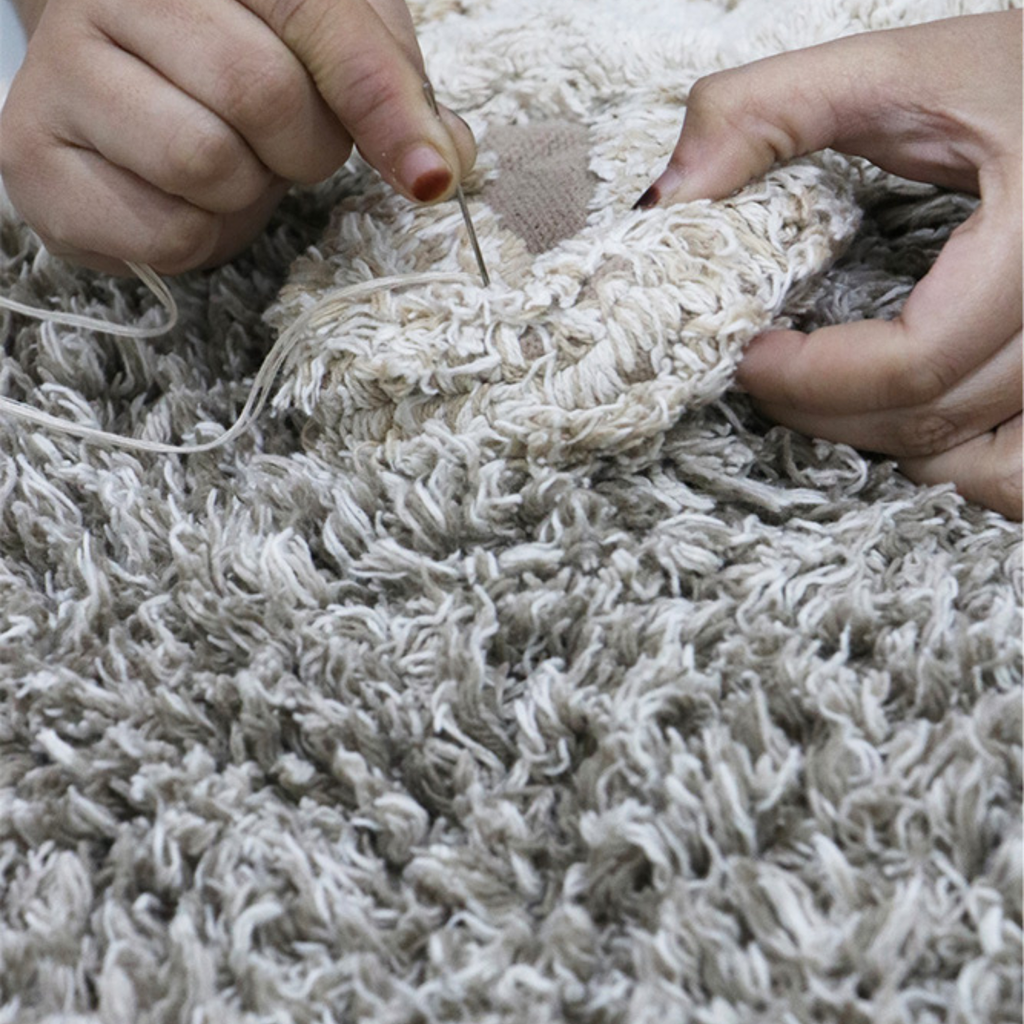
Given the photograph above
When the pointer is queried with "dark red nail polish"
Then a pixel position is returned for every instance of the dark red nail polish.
(648, 199)
(431, 185)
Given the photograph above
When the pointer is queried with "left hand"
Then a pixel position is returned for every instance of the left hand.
(167, 131)
(940, 386)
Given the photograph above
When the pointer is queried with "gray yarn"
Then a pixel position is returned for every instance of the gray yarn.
(723, 727)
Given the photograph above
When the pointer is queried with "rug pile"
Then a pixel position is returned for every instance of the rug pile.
(510, 669)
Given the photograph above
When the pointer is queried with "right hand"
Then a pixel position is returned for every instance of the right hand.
(166, 131)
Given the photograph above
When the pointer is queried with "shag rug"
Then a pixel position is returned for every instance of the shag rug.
(509, 669)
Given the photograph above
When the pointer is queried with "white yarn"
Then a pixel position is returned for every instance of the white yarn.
(149, 278)
(330, 308)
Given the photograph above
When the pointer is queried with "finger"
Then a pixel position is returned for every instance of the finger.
(740, 122)
(862, 95)
(174, 240)
(986, 469)
(462, 135)
(954, 320)
(375, 90)
(229, 60)
(987, 397)
(240, 228)
(194, 155)
(85, 205)
(397, 18)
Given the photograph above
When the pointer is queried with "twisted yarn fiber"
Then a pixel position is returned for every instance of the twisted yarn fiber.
(512, 672)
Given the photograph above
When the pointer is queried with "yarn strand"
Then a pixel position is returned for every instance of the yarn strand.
(149, 278)
(327, 310)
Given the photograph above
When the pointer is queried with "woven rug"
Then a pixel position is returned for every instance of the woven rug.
(509, 669)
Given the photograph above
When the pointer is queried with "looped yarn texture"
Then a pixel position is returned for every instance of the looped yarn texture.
(603, 324)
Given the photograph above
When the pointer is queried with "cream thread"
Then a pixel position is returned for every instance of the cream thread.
(330, 308)
(149, 278)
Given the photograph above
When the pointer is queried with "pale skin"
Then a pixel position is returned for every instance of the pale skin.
(167, 131)
(939, 387)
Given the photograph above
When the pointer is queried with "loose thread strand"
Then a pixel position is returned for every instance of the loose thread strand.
(149, 278)
(328, 309)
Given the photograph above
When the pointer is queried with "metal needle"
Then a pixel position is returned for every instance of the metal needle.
(460, 196)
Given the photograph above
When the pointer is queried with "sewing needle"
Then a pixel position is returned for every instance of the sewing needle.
(461, 197)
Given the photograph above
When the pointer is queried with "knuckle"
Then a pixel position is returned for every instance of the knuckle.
(923, 432)
(262, 94)
(922, 377)
(727, 103)
(710, 97)
(371, 93)
(200, 158)
(284, 15)
(185, 242)
(723, 100)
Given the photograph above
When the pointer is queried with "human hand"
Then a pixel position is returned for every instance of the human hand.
(166, 131)
(940, 386)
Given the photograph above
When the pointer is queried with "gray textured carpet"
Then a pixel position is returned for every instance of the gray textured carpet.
(726, 728)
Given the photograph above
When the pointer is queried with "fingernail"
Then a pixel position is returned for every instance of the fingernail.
(425, 173)
(648, 199)
(663, 188)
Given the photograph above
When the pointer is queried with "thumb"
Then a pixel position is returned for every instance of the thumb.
(374, 84)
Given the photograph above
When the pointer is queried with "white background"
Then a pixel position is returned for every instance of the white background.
(12, 41)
